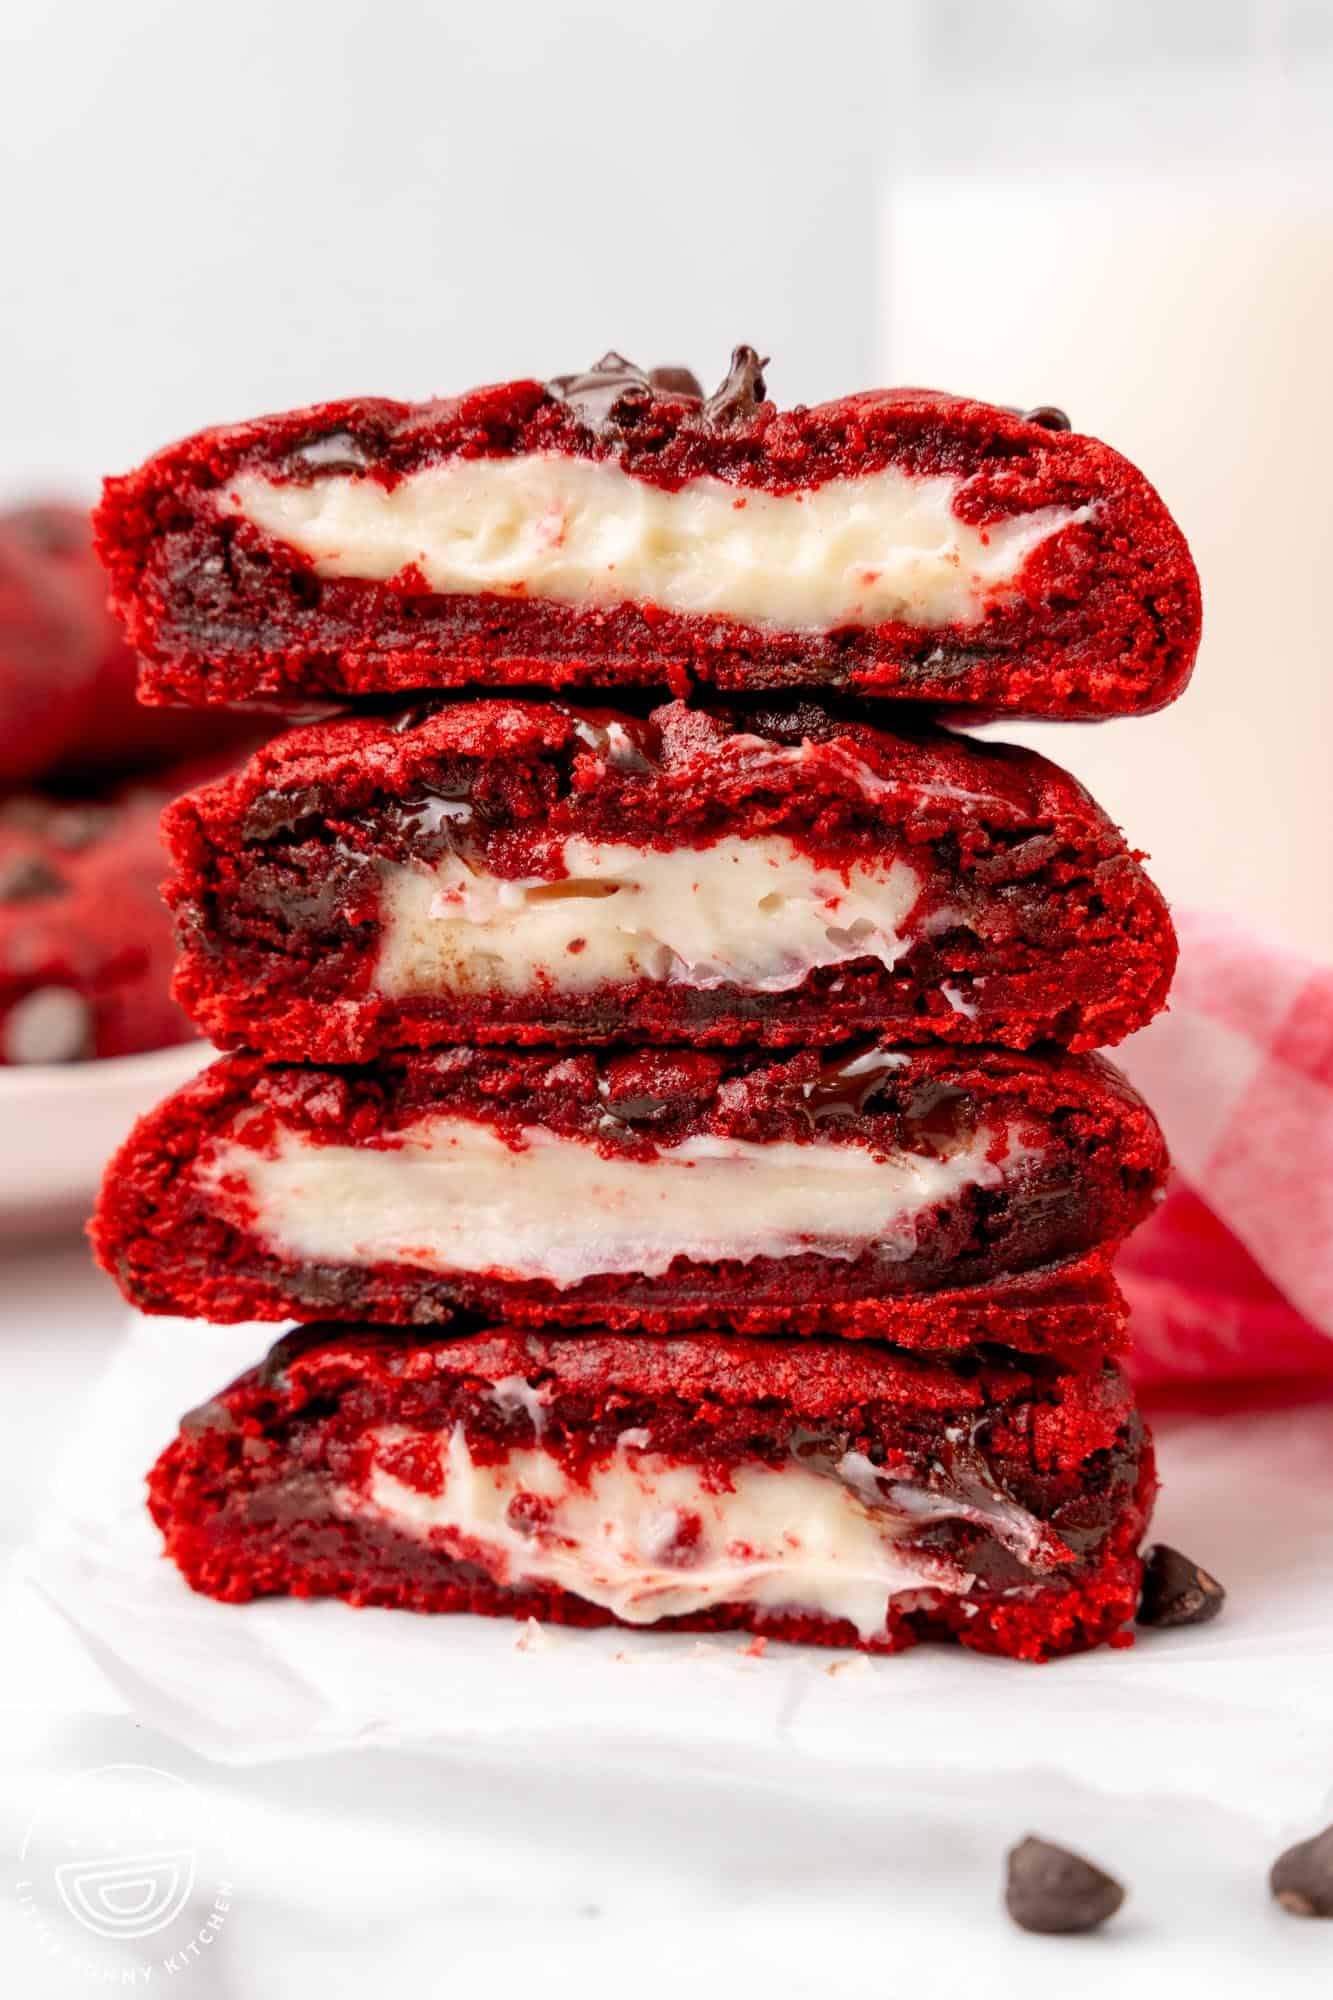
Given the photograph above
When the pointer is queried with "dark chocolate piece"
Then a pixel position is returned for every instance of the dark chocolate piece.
(741, 391)
(331, 451)
(614, 391)
(845, 1086)
(277, 812)
(1049, 416)
(1050, 1890)
(605, 394)
(1301, 1878)
(1176, 1591)
(677, 382)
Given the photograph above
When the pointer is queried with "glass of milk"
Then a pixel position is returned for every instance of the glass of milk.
(1141, 230)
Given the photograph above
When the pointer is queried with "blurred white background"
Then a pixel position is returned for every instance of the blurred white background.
(1123, 206)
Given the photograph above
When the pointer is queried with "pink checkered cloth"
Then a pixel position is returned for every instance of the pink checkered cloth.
(1233, 1277)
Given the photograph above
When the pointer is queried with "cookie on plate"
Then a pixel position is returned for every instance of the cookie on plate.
(85, 940)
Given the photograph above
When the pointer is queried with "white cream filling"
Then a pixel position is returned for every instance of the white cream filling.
(757, 913)
(453, 1196)
(888, 546)
(784, 1537)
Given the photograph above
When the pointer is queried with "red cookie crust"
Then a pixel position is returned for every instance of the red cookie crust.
(1023, 1265)
(1034, 915)
(1104, 619)
(244, 1496)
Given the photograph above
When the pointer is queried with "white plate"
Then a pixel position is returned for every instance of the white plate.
(60, 1122)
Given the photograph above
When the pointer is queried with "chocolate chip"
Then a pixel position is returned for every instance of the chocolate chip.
(936, 1119)
(1048, 416)
(299, 812)
(1176, 1591)
(25, 878)
(845, 1085)
(612, 391)
(1059, 1894)
(677, 382)
(741, 390)
(1301, 1879)
(331, 451)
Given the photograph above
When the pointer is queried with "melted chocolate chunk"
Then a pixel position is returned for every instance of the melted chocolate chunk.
(936, 1119)
(741, 390)
(960, 1471)
(27, 878)
(677, 382)
(294, 812)
(1050, 1890)
(610, 393)
(1301, 1879)
(431, 816)
(632, 1110)
(614, 393)
(845, 1086)
(1176, 1591)
(331, 451)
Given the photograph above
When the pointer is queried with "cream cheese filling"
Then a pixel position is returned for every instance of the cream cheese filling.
(647, 1537)
(887, 546)
(452, 1196)
(757, 913)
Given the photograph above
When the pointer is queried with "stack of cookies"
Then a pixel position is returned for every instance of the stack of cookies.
(659, 1077)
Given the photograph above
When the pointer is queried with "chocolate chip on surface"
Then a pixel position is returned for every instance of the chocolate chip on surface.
(677, 382)
(1049, 416)
(603, 396)
(1176, 1591)
(1050, 1890)
(1301, 1879)
(741, 390)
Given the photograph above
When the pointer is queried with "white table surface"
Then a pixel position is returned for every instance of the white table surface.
(524, 1871)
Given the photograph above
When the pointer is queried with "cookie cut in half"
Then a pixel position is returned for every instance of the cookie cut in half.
(926, 1197)
(619, 529)
(836, 1493)
(512, 871)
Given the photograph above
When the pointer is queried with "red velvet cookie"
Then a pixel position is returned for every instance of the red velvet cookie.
(85, 942)
(620, 530)
(929, 1197)
(511, 871)
(840, 1494)
(68, 705)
